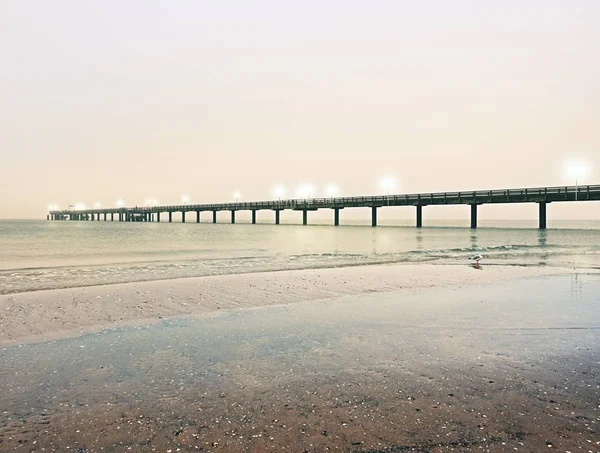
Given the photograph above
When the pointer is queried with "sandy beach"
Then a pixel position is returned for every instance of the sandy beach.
(54, 314)
(363, 359)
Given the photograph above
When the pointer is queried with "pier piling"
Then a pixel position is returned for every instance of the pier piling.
(473, 216)
(542, 208)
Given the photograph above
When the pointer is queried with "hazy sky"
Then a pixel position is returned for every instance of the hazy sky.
(105, 100)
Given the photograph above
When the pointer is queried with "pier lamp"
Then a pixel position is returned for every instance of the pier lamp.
(97, 205)
(236, 196)
(279, 192)
(120, 203)
(79, 206)
(185, 199)
(52, 207)
(332, 190)
(577, 170)
(387, 184)
(305, 191)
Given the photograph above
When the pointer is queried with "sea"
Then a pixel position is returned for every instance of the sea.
(39, 255)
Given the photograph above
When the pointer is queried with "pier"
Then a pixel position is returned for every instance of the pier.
(540, 196)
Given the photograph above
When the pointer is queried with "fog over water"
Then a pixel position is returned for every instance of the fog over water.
(105, 101)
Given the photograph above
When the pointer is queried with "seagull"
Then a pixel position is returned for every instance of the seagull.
(477, 259)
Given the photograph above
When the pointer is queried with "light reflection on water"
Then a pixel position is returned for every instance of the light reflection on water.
(387, 345)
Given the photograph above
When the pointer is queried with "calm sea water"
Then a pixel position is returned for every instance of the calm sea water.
(37, 255)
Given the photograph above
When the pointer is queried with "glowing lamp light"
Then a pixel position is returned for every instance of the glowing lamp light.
(97, 205)
(332, 190)
(388, 184)
(305, 191)
(185, 199)
(120, 203)
(279, 192)
(52, 207)
(236, 196)
(79, 206)
(577, 170)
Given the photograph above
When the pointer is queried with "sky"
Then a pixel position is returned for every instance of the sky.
(109, 100)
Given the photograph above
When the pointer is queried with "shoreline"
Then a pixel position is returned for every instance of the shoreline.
(47, 315)
(427, 262)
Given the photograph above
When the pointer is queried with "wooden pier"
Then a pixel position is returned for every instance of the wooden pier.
(541, 196)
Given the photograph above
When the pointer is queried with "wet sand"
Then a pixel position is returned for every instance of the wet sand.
(54, 314)
(436, 360)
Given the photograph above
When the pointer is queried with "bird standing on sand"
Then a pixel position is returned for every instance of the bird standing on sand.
(477, 259)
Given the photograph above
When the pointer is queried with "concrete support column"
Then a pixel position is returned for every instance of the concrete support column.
(158, 216)
(112, 216)
(305, 217)
(336, 216)
(543, 205)
(105, 216)
(197, 216)
(214, 216)
(170, 216)
(473, 216)
(419, 216)
(232, 217)
(254, 217)
(182, 216)
(93, 216)
(277, 216)
(374, 216)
